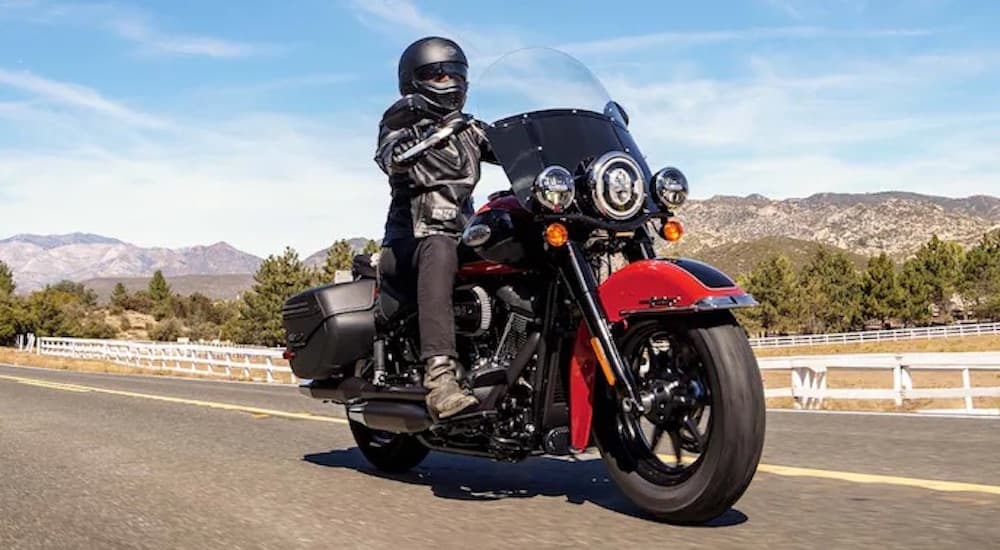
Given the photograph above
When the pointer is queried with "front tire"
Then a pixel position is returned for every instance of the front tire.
(389, 452)
(712, 479)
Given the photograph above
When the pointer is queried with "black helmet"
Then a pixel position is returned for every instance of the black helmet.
(423, 65)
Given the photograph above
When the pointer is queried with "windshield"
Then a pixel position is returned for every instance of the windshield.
(538, 79)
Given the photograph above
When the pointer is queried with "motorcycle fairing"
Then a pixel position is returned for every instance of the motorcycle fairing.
(643, 288)
(528, 143)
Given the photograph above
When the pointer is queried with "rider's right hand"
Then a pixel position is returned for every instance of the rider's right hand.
(405, 142)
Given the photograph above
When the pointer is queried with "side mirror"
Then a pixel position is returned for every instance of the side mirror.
(614, 108)
(407, 111)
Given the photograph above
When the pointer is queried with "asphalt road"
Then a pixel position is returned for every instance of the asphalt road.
(107, 461)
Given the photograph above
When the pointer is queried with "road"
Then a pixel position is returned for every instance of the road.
(112, 461)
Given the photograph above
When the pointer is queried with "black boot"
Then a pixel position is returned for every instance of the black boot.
(446, 398)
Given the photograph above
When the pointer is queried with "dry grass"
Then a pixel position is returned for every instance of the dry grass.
(988, 342)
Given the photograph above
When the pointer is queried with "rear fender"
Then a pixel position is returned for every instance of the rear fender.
(676, 286)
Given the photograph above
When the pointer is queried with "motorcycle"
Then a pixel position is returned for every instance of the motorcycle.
(574, 334)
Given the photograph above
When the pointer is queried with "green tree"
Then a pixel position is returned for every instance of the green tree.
(7, 285)
(158, 289)
(119, 296)
(339, 257)
(914, 308)
(938, 264)
(980, 277)
(59, 310)
(832, 293)
(13, 318)
(278, 278)
(773, 283)
(881, 295)
(168, 330)
(372, 247)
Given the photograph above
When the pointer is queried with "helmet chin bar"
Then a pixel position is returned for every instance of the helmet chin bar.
(445, 100)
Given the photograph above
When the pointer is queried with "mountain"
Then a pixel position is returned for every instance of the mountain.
(52, 241)
(218, 287)
(37, 260)
(318, 258)
(865, 224)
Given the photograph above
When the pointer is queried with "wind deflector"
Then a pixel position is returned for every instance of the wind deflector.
(525, 144)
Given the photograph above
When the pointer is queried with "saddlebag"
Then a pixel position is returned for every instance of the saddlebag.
(330, 327)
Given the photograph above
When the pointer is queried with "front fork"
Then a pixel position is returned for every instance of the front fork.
(580, 278)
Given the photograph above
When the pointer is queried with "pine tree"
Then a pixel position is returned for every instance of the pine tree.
(773, 283)
(832, 293)
(278, 278)
(119, 296)
(7, 285)
(915, 306)
(881, 294)
(939, 264)
(159, 290)
(339, 257)
(372, 247)
(980, 277)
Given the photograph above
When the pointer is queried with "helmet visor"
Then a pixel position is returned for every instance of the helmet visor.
(438, 72)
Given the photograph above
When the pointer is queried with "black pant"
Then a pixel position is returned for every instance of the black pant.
(426, 267)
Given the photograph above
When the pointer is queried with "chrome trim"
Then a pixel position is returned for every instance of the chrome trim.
(596, 178)
(476, 235)
(726, 302)
(671, 194)
(538, 191)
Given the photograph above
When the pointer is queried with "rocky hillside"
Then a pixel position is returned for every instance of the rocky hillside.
(865, 224)
(37, 260)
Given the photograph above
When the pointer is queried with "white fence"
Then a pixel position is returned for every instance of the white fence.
(201, 359)
(876, 335)
(809, 376)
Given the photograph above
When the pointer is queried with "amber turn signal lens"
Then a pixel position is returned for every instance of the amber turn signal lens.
(673, 231)
(556, 234)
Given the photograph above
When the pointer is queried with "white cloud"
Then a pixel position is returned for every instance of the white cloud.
(404, 21)
(132, 25)
(624, 44)
(258, 180)
(74, 95)
(155, 41)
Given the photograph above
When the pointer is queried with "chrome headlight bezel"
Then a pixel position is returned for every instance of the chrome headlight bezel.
(671, 187)
(554, 188)
(614, 206)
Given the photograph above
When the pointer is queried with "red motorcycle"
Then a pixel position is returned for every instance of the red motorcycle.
(573, 332)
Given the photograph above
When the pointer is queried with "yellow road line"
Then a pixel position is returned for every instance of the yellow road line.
(931, 484)
(791, 471)
(209, 404)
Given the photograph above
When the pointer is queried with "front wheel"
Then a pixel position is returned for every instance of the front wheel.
(694, 450)
(389, 452)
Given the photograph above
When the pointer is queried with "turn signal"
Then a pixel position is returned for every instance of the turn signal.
(673, 231)
(556, 234)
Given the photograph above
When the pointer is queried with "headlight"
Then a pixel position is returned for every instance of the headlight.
(671, 187)
(618, 185)
(554, 188)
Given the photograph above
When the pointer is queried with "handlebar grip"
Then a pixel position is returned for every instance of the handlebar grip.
(432, 140)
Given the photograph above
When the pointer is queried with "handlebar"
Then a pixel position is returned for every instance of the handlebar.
(449, 129)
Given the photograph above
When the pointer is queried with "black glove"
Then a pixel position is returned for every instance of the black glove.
(402, 145)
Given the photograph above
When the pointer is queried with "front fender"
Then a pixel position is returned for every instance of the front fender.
(672, 286)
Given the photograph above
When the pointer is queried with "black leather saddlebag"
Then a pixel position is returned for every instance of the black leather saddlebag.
(329, 328)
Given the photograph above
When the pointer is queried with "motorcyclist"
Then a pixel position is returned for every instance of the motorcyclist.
(431, 201)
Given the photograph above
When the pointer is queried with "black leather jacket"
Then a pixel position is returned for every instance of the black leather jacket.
(433, 196)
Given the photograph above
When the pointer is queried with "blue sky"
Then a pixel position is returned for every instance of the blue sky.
(180, 123)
